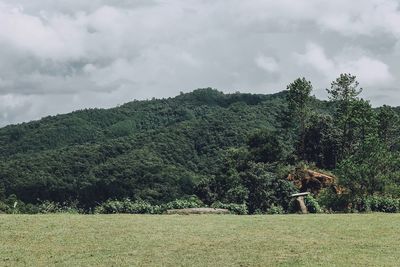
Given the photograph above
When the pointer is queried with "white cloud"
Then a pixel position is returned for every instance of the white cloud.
(370, 71)
(268, 64)
(102, 52)
(58, 38)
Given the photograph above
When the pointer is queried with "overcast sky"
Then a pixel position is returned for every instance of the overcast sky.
(57, 56)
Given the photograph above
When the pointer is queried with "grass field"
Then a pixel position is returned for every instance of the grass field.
(200, 240)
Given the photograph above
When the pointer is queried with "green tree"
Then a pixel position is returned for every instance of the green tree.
(370, 170)
(298, 98)
(266, 146)
(322, 141)
(265, 188)
(344, 91)
(388, 120)
(362, 123)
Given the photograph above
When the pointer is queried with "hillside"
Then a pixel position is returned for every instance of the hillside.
(154, 150)
(215, 147)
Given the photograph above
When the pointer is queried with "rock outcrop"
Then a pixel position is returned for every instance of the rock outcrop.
(313, 181)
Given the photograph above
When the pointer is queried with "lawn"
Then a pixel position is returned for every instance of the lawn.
(200, 240)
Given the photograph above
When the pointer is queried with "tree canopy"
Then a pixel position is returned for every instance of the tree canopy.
(231, 148)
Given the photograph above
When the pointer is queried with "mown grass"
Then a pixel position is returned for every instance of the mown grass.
(200, 240)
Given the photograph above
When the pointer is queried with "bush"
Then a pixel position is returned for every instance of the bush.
(312, 204)
(184, 204)
(331, 201)
(383, 204)
(377, 204)
(52, 207)
(29, 209)
(4, 208)
(127, 206)
(275, 210)
(239, 209)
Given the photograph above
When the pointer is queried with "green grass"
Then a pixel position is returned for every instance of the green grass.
(200, 240)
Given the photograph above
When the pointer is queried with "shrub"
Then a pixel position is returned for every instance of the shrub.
(239, 209)
(29, 209)
(275, 210)
(312, 204)
(362, 204)
(4, 208)
(53, 207)
(383, 204)
(377, 203)
(330, 200)
(127, 206)
(184, 204)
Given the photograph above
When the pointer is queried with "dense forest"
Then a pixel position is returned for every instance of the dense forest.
(210, 147)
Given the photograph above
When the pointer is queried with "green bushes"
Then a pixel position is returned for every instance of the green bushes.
(312, 204)
(275, 210)
(184, 204)
(325, 202)
(378, 204)
(345, 203)
(142, 207)
(19, 207)
(127, 206)
(54, 207)
(4, 208)
(240, 209)
(12, 205)
(384, 204)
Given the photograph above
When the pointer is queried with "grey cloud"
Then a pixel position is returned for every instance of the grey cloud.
(57, 56)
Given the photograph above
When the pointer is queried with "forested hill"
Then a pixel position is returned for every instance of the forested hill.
(154, 150)
(138, 117)
(215, 147)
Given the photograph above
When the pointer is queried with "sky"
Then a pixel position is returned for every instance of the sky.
(57, 56)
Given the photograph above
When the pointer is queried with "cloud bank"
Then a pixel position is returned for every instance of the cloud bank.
(57, 56)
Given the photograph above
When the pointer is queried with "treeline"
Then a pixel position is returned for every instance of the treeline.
(213, 147)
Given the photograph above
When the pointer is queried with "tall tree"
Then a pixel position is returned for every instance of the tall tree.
(298, 99)
(322, 141)
(387, 121)
(344, 91)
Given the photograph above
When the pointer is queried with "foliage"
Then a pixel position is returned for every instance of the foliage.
(369, 170)
(332, 202)
(388, 126)
(239, 209)
(312, 204)
(377, 203)
(53, 207)
(127, 206)
(275, 210)
(184, 204)
(157, 150)
(298, 98)
(266, 146)
(4, 208)
(265, 188)
(344, 93)
(344, 89)
(229, 148)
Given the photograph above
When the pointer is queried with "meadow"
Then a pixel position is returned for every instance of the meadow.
(200, 240)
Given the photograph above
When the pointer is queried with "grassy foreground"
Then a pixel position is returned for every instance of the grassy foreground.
(200, 240)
